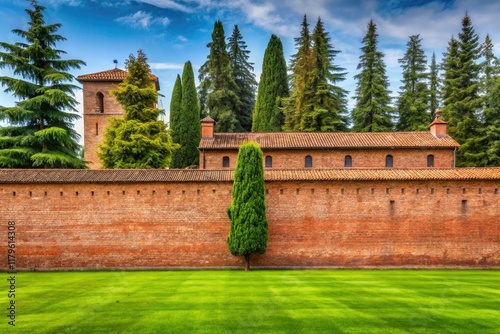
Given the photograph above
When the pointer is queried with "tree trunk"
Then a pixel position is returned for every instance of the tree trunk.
(247, 262)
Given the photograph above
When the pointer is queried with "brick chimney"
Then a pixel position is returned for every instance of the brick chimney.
(207, 128)
(438, 126)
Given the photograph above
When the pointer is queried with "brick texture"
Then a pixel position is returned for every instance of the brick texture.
(311, 224)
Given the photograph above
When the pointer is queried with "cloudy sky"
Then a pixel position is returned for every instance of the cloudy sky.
(172, 32)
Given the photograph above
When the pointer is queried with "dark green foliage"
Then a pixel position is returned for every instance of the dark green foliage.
(372, 112)
(462, 101)
(434, 86)
(243, 77)
(175, 109)
(189, 128)
(218, 90)
(248, 230)
(40, 130)
(273, 87)
(413, 98)
(139, 139)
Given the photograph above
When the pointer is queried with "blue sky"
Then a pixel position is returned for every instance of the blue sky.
(172, 32)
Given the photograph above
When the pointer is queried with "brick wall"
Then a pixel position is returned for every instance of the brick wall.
(311, 224)
(361, 158)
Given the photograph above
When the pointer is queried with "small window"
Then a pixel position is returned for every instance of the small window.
(225, 162)
(348, 161)
(99, 102)
(309, 161)
(388, 161)
(430, 160)
(269, 161)
(97, 129)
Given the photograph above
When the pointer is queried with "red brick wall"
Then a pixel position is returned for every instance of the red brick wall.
(366, 158)
(313, 224)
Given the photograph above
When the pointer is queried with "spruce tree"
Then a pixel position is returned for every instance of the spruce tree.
(175, 109)
(462, 87)
(39, 131)
(434, 86)
(412, 104)
(139, 139)
(189, 128)
(218, 89)
(372, 112)
(247, 213)
(243, 77)
(273, 88)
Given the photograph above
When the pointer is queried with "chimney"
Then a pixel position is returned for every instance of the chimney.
(207, 128)
(438, 126)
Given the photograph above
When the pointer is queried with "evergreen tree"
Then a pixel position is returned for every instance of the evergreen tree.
(435, 87)
(175, 109)
(218, 90)
(372, 112)
(189, 127)
(462, 100)
(243, 77)
(139, 139)
(489, 67)
(247, 213)
(40, 127)
(301, 66)
(328, 101)
(413, 98)
(273, 87)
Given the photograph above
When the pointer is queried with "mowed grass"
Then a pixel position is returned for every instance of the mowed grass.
(260, 301)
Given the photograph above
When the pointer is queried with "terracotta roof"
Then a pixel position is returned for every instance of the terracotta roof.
(115, 74)
(320, 140)
(207, 119)
(28, 176)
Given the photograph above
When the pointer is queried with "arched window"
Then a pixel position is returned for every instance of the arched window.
(225, 161)
(348, 161)
(388, 161)
(430, 160)
(309, 162)
(99, 102)
(269, 161)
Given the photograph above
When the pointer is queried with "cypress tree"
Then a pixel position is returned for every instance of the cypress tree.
(175, 109)
(139, 139)
(372, 111)
(247, 213)
(273, 88)
(189, 128)
(434, 86)
(243, 77)
(40, 126)
(218, 89)
(413, 98)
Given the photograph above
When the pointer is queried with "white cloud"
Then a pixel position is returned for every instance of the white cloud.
(166, 66)
(168, 4)
(182, 38)
(143, 20)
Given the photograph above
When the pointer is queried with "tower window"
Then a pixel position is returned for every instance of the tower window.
(225, 161)
(269, 161)
(97, 129)
(99, 102)
(388, 161)
(430, 160)
(309, 162)
(348, 161)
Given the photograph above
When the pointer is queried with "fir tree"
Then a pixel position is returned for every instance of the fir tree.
(247, 213)
(243, 77)
(139, 139)
(434, 86)
(273, 88)
(372, 112)
(40, 127)
(413, 98)
(175, 109)
(189, 128)
(218, 90)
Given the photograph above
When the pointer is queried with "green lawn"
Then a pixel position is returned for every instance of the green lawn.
(260, 301)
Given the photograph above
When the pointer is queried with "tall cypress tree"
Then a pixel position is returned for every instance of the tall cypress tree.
(175, 109)
(218, 89)
(273, 88)
(247, 213)
(434, 86)
(372, 111)
(139, 139)
(243, 77)
(413, 98)
(189, 128)
(40, 127)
